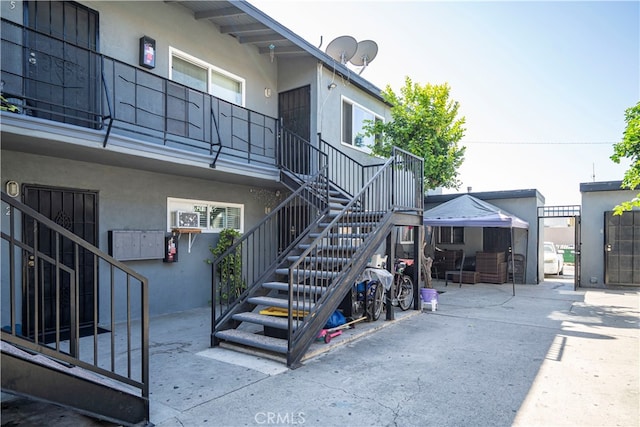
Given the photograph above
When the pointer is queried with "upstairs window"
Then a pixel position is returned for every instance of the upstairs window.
(354, 118)
(199, 75)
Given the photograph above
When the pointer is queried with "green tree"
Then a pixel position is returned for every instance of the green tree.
(424, 123)
(629, 148)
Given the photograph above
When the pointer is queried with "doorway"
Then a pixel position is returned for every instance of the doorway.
(294, 110)
(622, 248)
(61, 65)
(560, 225)
(47, 297)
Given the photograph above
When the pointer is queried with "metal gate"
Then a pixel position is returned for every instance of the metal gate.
(567, 211)
(622, 254)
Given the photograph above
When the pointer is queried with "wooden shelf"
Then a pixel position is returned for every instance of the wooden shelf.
(190, 231)
(187, 230)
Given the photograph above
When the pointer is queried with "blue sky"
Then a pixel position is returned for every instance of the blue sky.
(543, 85)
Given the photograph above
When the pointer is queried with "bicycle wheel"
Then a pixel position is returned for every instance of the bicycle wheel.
(375, 301)
(405, 293)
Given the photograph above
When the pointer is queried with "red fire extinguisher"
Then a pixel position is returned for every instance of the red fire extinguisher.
(172, 249)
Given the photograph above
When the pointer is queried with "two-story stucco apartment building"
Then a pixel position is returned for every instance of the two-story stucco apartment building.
(133, 133)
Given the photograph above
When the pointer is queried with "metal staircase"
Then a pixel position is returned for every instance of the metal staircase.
(100, 369)
(292, 284)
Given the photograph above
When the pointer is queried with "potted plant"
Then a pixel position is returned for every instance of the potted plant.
(230, 267)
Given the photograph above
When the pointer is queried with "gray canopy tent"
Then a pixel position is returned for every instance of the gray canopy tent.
(469, 211)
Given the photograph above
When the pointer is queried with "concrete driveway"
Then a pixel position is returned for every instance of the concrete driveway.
(547, 356)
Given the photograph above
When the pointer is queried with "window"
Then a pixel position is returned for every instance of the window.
(407, 234)
(354, 118)
(450, 235)
(204, 77)
(214, 216)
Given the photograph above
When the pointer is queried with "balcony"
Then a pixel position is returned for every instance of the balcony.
(72, 93)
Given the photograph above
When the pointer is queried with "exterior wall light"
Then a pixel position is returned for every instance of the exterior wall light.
(12, 188)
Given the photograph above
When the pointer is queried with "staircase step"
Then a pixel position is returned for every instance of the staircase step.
(264, 320)
(343, 248)
(355, 215)
(281, 303)
(352, 224)
(284, 286)
(323, 260)
(340, 235)
(276, 345)
(309, 274)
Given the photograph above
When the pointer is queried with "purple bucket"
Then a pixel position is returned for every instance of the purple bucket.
(428, 294)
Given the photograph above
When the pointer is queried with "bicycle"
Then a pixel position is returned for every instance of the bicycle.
(403, 286)
(368, 298)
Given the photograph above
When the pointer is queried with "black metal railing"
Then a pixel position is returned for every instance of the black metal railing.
(336, 256)
(248, 262)
(66, 299)
(345, 172)
(49, 78)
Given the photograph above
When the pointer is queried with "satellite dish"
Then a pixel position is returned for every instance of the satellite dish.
(365, 53)
(342, 48)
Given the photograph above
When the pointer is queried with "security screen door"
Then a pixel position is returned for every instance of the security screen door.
(62, 68)
(76, 211)
(622, 248)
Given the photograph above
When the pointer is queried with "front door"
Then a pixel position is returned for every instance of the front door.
(294, 109)
(62, 67)
(622, 248)
(48, 296)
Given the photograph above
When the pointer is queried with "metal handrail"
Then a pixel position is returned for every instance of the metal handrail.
(115, 280)
(258, 251)
(363, 218)
(346, 173)
(133, 102)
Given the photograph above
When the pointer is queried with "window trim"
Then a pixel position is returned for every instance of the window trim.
(177, 204)
(353, 104)
(210, 68)
(407, 235)
(452, 240)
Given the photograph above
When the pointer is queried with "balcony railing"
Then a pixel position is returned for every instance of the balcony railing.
(47, 77)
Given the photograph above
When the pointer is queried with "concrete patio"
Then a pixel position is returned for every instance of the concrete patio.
(546, 356)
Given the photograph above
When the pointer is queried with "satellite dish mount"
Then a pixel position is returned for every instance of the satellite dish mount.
(365, 53)
(342, 48)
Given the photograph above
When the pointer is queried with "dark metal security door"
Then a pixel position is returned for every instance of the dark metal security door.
(622, 248)
(294, 109)
(577, 251)
(76, 211)
(496, 239)
(62, 69)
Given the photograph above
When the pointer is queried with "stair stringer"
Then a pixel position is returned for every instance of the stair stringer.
(306, 334)
(39, 377)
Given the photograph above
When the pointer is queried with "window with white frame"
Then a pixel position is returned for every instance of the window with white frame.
(450, 235)
(406, 235)
(212, 216)
(354, 118)
(197, 74)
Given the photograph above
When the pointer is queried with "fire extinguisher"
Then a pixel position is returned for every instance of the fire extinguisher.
(172, 249)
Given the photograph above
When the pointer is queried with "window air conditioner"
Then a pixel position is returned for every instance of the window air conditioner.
(184, 219)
